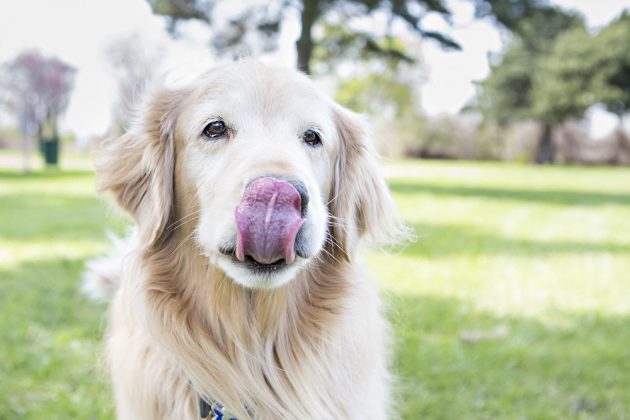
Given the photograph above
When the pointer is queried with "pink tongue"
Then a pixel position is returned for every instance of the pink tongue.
(267, 221)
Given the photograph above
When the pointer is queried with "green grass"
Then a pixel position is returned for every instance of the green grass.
(50, 222)
(514, 302)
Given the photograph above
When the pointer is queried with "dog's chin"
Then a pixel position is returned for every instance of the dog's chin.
(252, 275)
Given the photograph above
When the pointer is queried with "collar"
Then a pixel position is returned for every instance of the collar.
(214, 411)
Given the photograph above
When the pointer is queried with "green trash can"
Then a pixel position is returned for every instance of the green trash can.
(50, 150)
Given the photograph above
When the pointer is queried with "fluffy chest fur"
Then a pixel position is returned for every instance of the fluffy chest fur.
(315, 349)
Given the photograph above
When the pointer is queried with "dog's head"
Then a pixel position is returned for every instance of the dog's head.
(268, 174)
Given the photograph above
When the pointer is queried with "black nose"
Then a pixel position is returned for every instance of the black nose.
(297, 184)
(301, 188)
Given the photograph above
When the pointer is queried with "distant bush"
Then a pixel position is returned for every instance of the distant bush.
(10, 137)
(466, 136)
(520, 141)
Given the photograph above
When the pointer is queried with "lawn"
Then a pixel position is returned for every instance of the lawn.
(514, 302)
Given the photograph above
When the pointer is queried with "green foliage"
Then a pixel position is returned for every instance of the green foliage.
(511, 304)
(517, 87)
(339, 44)
(508, 13)
(555, 69)
(544, 24)
(393, 105)
(563, 79)
(183, 9)
(582, 69)
(510, 93)
(375, 92)
(612, 76)
(505, 95)
(535, 22)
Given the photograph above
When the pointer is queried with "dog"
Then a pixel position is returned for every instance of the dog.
(239, 293)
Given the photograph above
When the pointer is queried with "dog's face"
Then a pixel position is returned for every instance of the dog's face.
(259, 148)
(267, 167)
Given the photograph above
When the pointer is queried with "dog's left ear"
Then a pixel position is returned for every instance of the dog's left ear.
(137, 167)
(361, 204)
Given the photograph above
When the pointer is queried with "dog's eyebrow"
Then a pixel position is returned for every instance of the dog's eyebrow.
(317, 127)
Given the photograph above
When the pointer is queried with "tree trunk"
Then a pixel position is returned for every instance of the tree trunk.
(27, 141)
(545, 151)
(304, 45)
(623, 148)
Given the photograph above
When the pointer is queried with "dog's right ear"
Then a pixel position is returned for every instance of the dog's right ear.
(137, 167)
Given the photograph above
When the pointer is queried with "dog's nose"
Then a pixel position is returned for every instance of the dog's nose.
(301, 188)
(297, 184)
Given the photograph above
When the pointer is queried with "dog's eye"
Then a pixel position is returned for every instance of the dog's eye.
(215, 129)
(311, 137)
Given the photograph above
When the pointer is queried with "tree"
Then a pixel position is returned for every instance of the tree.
(266, 20)
(563, 84)
(505, 95)
(514, 89)
(340, 46)
(534, 22)
(38, 89)
(612, 78)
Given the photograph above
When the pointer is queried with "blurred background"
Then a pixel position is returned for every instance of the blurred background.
(504, 131)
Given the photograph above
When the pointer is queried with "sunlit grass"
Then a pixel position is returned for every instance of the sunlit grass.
(533, 264)
(513, 303)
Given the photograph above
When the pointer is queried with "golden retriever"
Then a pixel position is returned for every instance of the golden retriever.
(240, 292)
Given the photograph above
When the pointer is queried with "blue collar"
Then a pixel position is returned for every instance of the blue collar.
(213, 411)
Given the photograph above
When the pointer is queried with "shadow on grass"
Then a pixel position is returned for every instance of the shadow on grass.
(582, 198)
(445, 240)
(577, 367)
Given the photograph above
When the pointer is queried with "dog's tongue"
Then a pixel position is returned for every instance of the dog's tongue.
(267, 221)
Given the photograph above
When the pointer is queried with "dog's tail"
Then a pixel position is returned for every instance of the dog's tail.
(102, 274)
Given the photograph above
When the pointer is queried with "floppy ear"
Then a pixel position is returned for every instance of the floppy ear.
(361, 203)
(137, 167)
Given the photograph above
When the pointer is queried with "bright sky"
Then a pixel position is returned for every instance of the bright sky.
(76, 31)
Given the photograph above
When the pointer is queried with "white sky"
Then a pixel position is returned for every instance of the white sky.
(77, 30)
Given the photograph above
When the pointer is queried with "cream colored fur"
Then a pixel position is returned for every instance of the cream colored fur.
(186, 323)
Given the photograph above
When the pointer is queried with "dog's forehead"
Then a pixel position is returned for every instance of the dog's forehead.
(263, 90)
